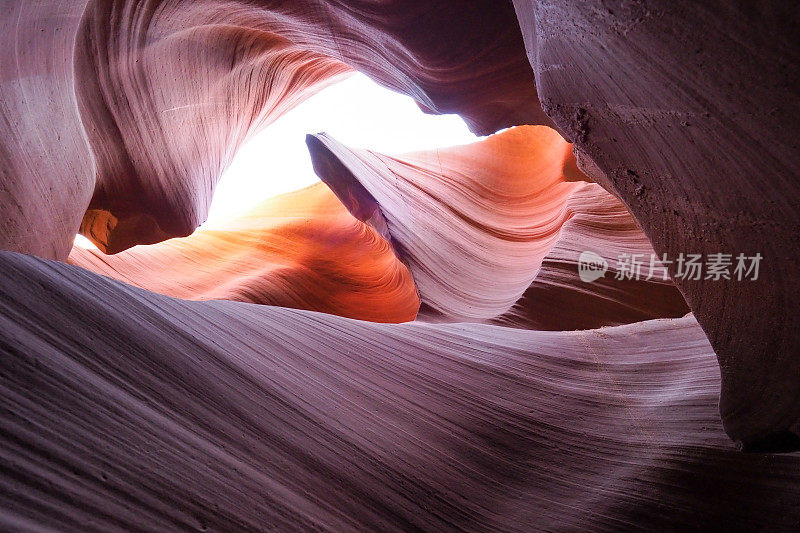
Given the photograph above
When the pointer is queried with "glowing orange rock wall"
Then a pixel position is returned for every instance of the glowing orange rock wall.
(497, 217)
(300, 250)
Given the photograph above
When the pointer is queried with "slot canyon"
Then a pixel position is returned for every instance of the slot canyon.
(584, 319)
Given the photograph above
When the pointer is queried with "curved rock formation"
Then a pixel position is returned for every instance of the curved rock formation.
(45, 165)
(689, 112)
(475, 223)
(167, 93)
(133, 111)
(128, 112)
(635, 287)
(301, 250)
(496, 211)
(459, 56)
(125, 409)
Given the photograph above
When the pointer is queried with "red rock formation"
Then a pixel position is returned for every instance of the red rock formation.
(493, 211)
(123, 409)
(132, 110)
(475, 223)
(301, 250)
(689, 112)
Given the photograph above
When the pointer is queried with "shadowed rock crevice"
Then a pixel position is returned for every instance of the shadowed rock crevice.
(353, 195)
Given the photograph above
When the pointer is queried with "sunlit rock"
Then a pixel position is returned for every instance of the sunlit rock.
(120, 116)
(475, 224)
(300, 250)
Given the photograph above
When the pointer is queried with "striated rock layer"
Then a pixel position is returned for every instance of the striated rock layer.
(126, 409)
(479, 225)
(46, 174)
(301, 250)
(167, 92)
(559, 299)
(132, 112)
(689, 112)
(120, 116)
(476, 223)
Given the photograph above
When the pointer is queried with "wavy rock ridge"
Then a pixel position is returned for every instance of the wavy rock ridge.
(558, 299)
(475, 224)
(301, 250)
(145, 104)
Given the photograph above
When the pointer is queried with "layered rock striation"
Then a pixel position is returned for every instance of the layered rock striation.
(481, 224)
(301, 250)
(125, 409)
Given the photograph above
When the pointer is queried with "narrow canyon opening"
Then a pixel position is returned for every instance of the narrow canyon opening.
(356, 111)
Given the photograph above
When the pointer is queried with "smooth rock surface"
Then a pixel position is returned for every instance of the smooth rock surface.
(301, 250)
(125, 409)
(476, 225)
(46, 169)
(635, 287)
(496, 217)
(119, 117)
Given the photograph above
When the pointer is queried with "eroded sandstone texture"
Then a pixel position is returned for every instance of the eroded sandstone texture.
(128, 409)
(476, 223)
(134, 109)
(301, 250)
(690, 113)
(558, 299)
